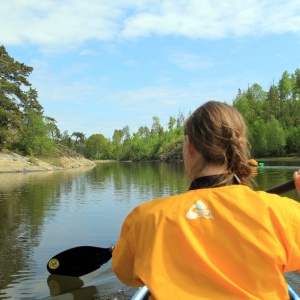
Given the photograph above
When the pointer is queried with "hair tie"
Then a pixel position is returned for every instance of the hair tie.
(237, 179)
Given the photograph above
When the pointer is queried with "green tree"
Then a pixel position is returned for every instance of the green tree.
(139, 147)
(285, 85)
(157, 129)
(171, 146)
(144, 132)
(171, 124)
(53, 130)
(296, 87)
(32, 102)
(13, 78)
(66, 140)
(293, 140)
(258, 138)
(35, 139)
(276, 138)
(79, 138)
(126, 133)
(295, 105)
(180, 120)
(241, 103)
(116, 142)
(97, 147)
(271, 105)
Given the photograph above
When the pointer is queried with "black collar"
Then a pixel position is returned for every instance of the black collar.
(211, 181)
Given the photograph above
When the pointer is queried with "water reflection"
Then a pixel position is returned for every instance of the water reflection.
(107, 287)
(27, 201)
(42, 214)
(62, 284)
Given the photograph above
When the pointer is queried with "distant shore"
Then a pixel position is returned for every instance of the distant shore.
(279, 158)
(11, 162)
(104, 160)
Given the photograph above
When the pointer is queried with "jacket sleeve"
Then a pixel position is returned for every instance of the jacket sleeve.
(294, 257)
(124, 253)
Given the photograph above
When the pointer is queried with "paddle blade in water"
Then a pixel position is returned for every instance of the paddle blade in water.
(78, 261)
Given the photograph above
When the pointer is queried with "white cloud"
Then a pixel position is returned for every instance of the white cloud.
(282, 19)
(152, 97)
(191, 62)
(163, 100)
(68, 23)
(57, 23)
(216, 19)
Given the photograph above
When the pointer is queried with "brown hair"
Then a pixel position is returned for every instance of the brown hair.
(218, 132)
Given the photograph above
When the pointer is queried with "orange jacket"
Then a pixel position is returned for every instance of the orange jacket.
(216, 243)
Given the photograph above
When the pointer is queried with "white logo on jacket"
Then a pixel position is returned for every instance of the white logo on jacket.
(199, 210)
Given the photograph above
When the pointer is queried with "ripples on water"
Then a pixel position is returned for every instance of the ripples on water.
(42, 214)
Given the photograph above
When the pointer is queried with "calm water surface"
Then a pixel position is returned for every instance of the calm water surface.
(42, 214)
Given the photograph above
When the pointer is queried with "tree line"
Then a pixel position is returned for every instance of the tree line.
(272, 117)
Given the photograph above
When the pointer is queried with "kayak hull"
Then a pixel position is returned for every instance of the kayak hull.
(143, 294)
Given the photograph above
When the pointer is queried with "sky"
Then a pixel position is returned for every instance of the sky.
(102, 65)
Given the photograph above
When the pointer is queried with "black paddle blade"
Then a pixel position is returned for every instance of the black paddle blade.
(78, 261)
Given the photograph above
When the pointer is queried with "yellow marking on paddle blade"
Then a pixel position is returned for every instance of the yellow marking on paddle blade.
(53, 264)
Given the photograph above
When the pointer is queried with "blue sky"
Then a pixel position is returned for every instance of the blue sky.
(102, 65)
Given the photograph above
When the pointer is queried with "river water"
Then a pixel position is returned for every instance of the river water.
(45, 213)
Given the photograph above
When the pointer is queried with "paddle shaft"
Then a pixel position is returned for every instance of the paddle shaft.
(282, 188)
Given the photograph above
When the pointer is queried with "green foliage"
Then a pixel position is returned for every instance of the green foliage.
(79, 143)
(258, 138)
(171, 151)
(276, 139)
(97, 147)
(33, 160)
(66, 140)
(53, 131)
(35, 140)
(13, 99)
(171, 148)
(293, 140)
(272, 117)
(22, 124)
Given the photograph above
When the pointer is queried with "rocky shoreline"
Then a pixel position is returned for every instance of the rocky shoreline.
(14, 163)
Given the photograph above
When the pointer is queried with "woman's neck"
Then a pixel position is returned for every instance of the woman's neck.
(209, 170)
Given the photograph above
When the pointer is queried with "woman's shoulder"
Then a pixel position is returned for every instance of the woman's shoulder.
(161, 201)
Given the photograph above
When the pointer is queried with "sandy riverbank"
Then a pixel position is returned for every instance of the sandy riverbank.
(14, 163)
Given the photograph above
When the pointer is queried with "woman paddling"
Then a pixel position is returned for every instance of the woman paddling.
(220, 239)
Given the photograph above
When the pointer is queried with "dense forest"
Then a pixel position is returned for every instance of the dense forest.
(272, 117)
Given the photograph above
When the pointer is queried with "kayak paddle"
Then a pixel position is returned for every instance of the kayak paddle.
(82, 260)
(282, 188)
(79, 261)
